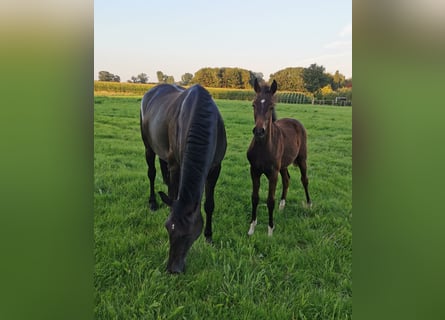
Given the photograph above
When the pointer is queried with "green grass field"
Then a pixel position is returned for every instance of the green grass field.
(303, 272)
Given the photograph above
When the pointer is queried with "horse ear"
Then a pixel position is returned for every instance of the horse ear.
(273, 87)
(166, 199)
(256, 86)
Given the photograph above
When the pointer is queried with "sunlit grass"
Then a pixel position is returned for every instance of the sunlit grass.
(304, 271)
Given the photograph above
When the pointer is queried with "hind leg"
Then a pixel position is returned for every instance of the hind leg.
(285, 181)
(273, 178)
(301, 162)
(209, 204)
(151, 173)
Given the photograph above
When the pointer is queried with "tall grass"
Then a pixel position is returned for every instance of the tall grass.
(303, 272)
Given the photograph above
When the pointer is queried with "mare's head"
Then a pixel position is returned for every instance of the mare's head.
(263, 108)
(184, 225)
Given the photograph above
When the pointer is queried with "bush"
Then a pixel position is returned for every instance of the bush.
(328, 96)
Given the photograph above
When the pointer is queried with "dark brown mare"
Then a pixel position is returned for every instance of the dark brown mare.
(276, 144)
(185, 129)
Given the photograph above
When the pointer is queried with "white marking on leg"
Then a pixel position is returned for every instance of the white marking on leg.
(282, 204)
(252, 228)
(263, 100)
(307, 205)
(270, 231)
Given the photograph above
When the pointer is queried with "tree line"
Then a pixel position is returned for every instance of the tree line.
(313, 79)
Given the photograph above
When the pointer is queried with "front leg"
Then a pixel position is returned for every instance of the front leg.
(273, 178)
(151, 173)
(209, 204)
(255, 175)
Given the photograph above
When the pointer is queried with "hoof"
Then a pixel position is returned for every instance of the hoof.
(209, 240)
(252, 228)
(282, 204)
(307, 205)
(153, 206)
(270, 231)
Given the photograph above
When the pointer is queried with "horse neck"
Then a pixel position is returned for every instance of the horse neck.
(271, 134)
(198, 154)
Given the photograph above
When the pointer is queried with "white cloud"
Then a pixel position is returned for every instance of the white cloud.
(346, 31)
(339, 45)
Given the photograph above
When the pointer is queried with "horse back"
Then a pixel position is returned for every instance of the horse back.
(158, 109)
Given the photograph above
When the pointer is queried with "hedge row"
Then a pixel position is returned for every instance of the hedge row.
(231, 94)
(121, 88)
(136, 89)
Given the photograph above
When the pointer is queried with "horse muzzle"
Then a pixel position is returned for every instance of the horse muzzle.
(176, 267)
(259, 132)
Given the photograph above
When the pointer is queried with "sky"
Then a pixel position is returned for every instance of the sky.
(178, 37)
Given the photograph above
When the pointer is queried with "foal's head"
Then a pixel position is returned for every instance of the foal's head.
(263, 108)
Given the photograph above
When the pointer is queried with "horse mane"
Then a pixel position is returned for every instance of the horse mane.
(200, 144)
(274, 115)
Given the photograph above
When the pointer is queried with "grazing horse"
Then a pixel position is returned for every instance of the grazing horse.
(276, 144)
(185, 129)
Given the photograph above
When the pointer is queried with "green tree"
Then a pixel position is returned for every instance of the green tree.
(314, 78)
(163, 78)
(231, 78)
(169, 79)
(116, 78)
(236, 78)
(348, 83)
(107, 76)
(160, 76)
(338, 80)
(246, 79)
(289, 79)
(223, 78)
(143, 78)
(207, 77)
(330, 80)
(259, 76)
(186, 78)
